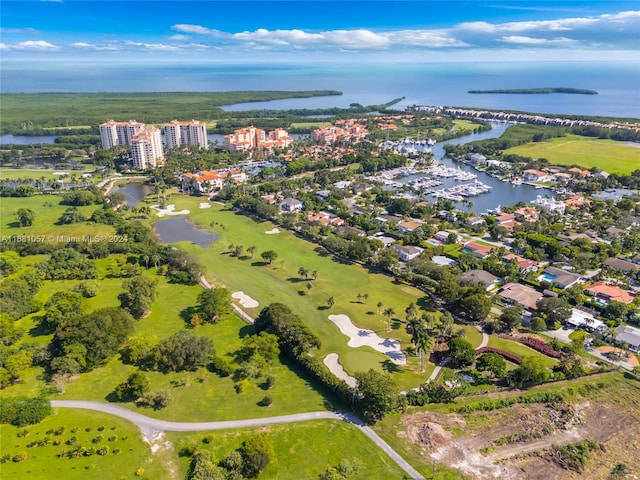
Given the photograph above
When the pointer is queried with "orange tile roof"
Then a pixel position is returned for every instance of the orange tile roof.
(611, 291)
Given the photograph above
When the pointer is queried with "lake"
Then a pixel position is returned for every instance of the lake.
(25, 140)
(181, 229)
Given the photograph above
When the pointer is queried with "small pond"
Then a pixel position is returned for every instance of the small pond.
(134, 193)
(181, 229)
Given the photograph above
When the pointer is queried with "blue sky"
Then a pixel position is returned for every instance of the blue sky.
(324, 31)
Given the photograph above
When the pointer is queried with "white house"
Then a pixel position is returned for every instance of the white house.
(630, 335)
(290, 205)
(407, 252)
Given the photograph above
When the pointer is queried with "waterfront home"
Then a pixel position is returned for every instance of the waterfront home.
(533, 175)
(607, 292)
(480, 277)
(506, 220)
(290, 205)
(550, 204)
(475, 222)
(407, 253)
(477, 159)
(560, 278)
(515, 293)
(579, 171)
(630, 335)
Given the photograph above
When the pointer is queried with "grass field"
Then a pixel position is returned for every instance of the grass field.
(301, 450)
(520, 349)
(48, 211)
(209, 397)
(310, 124)
(279, 282)
(587, 152)
(39, 173)
(43, 462)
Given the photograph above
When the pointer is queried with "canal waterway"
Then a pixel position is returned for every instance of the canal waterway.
(181, 229)
(501, 194)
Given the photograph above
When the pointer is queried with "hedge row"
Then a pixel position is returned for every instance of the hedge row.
(512, 357)
(541, 346)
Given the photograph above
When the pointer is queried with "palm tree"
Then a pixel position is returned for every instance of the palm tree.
(424, 344)
(365, 297)
(303, 272)
(331, 302)
(314, 274)
(146, 260)
(252, 250)
(412, 312)
(380, 305)
(389, 312)
(237, 251)
(359, 298)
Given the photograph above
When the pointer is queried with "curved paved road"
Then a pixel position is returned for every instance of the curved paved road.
(152, 428)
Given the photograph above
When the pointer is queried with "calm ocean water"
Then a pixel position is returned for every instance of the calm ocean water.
(618, 85)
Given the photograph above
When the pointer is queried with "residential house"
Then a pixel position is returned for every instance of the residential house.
(621, 264)
(407, 253)
(477, 249)
(290, 205)
(630, 335)
(516, 293)
(475, 222)
(442, 236)
(408, 226)
(533, 175)
(345, 229)
(477, 159)
(608, 292)
(527, 214)
(524, 264)
(386, 241)
(506, 220)
(480, 277)
(206, 182)
(614, 232)
(560, 278)
(580, 172)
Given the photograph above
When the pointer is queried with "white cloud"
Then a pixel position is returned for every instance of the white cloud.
(179, 37)
(618, 30)
(19, 30)
(522, 40)
(34, 45)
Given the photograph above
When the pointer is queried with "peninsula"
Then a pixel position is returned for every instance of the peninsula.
(581, 91)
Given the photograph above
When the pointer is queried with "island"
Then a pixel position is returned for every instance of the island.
(580, 91)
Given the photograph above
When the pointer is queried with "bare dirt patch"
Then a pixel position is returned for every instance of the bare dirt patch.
(514, 442)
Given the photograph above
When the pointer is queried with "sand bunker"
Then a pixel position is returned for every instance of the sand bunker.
(272, 231)
(205, 205)
(170, 210)
(333, 363)
(245, 300)
(359, 337)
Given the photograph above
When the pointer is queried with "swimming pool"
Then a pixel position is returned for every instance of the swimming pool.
(546, 277)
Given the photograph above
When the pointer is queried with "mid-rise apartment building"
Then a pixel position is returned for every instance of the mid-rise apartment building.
(251, 137)
(185, 133)
(119, 133)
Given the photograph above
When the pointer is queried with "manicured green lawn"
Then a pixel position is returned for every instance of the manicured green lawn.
(609, 155)
(209, 397)
(43, 462)
(301, 450)
(310, 124)
(39, 173)
(279, 282)
(48, 211)
(472, 334)
(519, 349)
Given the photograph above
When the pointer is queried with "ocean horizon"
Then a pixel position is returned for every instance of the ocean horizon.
(617, 84)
